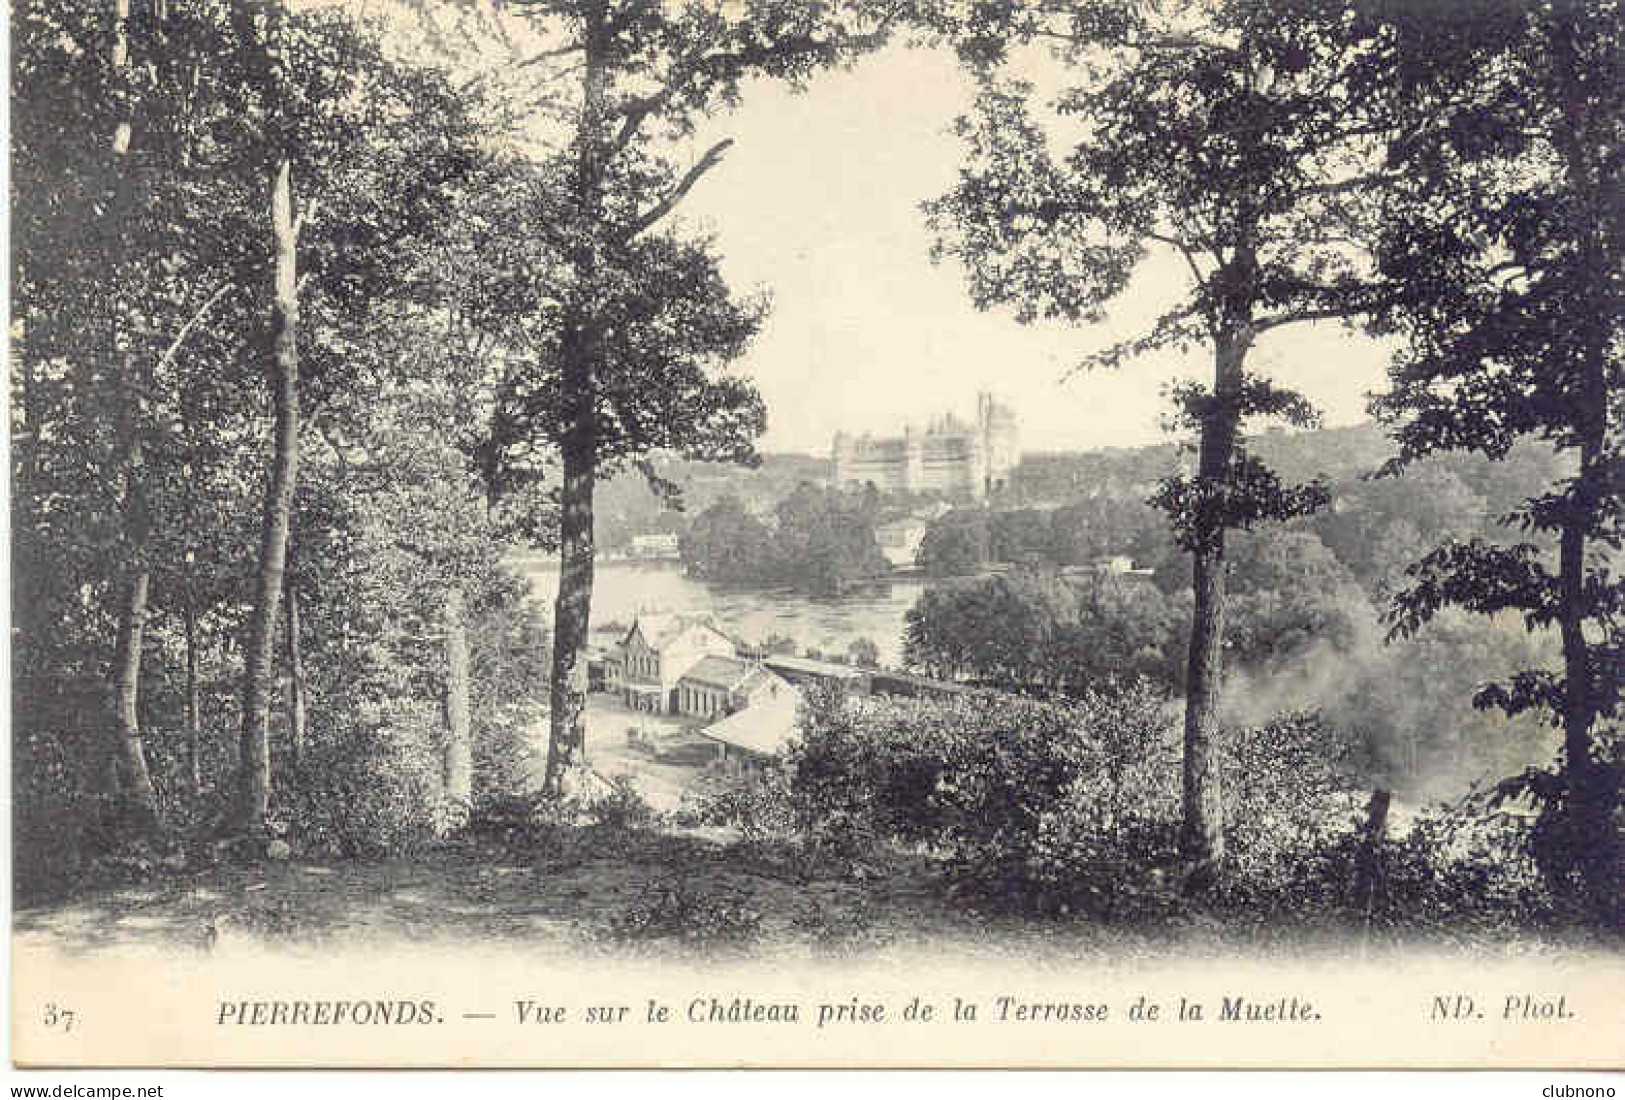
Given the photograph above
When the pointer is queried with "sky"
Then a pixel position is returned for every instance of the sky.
(818, 202)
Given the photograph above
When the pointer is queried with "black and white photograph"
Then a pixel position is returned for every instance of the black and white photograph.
(817, 533)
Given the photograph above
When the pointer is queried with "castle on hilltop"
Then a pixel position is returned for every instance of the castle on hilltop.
(949, 456)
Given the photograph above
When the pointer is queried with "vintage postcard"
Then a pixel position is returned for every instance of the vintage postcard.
(807, 533)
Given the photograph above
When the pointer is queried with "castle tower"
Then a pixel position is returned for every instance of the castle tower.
(839, 458)
(913, 460)
(1000, 445)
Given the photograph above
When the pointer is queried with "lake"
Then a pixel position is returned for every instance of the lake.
(622, 589)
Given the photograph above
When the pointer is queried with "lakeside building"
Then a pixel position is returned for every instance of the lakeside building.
(671, 664)
(719, 686)
(657, 651)
(656, 547)
(949, 456)
(760, 731)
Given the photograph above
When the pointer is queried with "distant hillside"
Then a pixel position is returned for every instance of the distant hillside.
(1342, 456)
(1337, 454)
(625, 505)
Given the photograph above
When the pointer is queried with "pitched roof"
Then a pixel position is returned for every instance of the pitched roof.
(654, 627)
(765, 728)
(758, 677)
(660, 629)
(813, 668)
(727, 673)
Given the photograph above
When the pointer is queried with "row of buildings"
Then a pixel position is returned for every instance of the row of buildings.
(669, 664)
(745, 701)
(674, 665)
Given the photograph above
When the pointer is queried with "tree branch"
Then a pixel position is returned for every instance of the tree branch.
(175, 345)
(713, 157)
(1326, 313)
(1367, 181)
(548, 55)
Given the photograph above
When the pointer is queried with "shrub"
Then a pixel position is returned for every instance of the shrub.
(622, 806)
(509, 649)
(370, 780)
(53, 815)
(369, 790)
(680, 911)
(504, 765)
(758, 803)
(845, 929)
(1293, 817)
(1062, 806)
(1460, 869)
(513, 817)
(868, 768)
(1035, 805)
(1075, 807)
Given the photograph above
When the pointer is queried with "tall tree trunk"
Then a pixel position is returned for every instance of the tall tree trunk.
(293, 660)
(1590, 834)
(194, 709)
(458, 770)
(1577, 697)
(572, 608)
(138, 800)
(1592, 839)
(254, 758)
(1202, 831)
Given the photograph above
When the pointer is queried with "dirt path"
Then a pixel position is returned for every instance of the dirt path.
(603, 892)
(684, 888)
(666, 769)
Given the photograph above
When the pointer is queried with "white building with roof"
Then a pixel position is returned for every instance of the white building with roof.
(760, 731)
(719, 685)
(657, 651)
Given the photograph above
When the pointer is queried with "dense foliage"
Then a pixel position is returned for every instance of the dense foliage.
(1225, 136)
(1074, 808)
(816, 539)
(1504, 236)
(152, 298)
(308, 327)
(1029, 630)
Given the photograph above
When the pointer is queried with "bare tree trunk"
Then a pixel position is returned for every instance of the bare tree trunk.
(1202, 831)
(254, 764)
(135, 797)
(572, 609)
(230, 747)
(194, 710)
(1367, 864)
(1590, 838)
(1202, 835)
(129, 780)
(458, 771)
(1590, 834)
(294, 662)
(138, 803)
